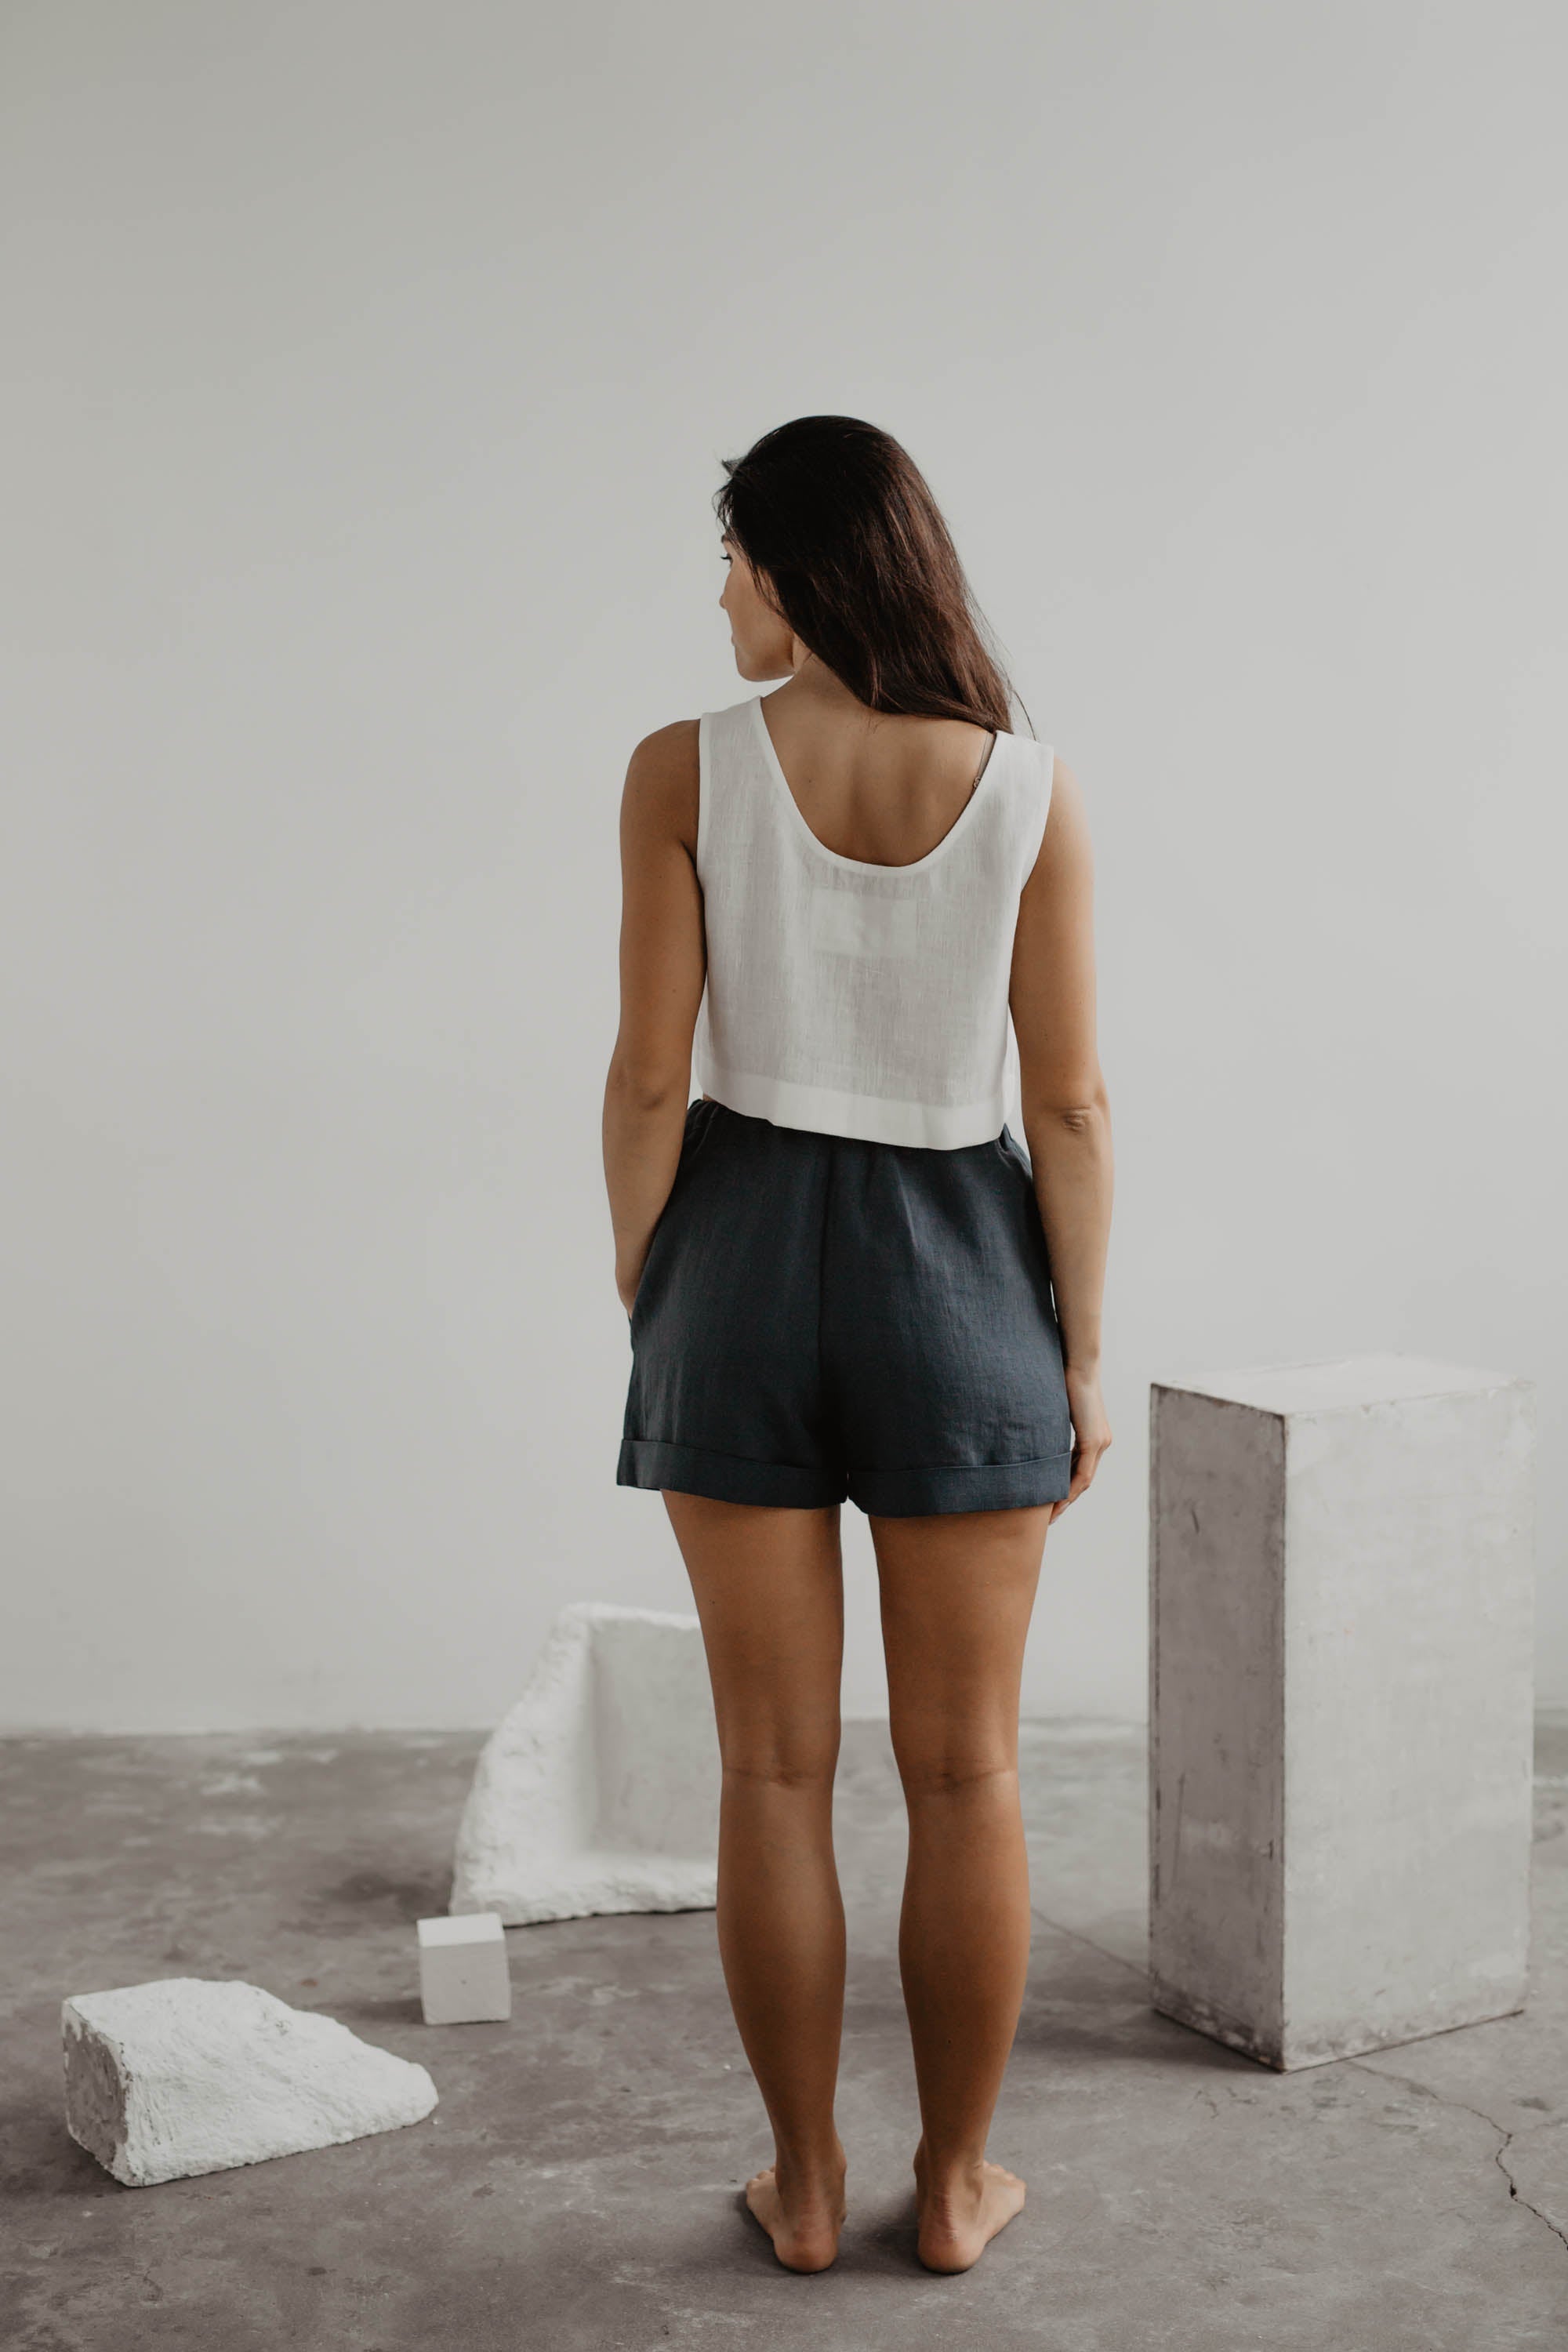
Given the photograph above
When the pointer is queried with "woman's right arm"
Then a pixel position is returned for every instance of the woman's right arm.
(663, 968)
(1066, 1111)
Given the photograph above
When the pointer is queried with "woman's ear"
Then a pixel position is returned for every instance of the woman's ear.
(767, 592)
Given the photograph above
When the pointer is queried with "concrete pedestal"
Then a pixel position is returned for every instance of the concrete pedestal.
(1341, 1703)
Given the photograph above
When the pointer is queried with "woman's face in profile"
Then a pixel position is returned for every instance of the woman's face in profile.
(763, 639)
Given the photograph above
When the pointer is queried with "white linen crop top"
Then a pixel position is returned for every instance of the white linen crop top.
(851, 998)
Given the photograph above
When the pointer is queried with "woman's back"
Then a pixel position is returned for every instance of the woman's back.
(876, 786)
(851, 993)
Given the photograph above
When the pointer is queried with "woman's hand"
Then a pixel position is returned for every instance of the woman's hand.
(628, 1278)
(1090, 1432)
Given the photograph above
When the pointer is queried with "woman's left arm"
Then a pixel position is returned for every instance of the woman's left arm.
(664, 964)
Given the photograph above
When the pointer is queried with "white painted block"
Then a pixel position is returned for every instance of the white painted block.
(599, 1791)
(188, 2075)
(463, 1974)
(1341, 1603)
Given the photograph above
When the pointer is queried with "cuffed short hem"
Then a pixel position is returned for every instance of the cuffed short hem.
(883, 1494)
(725, 1477)
(966, 1487)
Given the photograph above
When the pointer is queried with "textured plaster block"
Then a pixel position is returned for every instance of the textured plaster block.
(1341, 1602)
(599, 1791)
(463, 1974)
(189, 2075)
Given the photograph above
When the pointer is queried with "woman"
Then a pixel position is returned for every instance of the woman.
(839, 1265)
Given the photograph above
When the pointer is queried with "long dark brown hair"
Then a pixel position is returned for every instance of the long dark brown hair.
(837, 520)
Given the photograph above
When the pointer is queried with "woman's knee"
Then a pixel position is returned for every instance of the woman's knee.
(948, 1759)
(781, 1758)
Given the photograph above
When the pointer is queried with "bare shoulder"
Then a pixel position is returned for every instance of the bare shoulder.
(1065, 860)
(667, 754)
(1066, 790)
(661, 787)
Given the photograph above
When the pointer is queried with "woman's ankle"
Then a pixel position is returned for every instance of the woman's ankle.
(803, 2172)
(950, 2174)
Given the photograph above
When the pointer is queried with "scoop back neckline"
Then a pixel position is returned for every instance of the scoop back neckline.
(868, 865)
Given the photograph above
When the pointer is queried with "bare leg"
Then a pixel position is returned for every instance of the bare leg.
(770, 1594)
(957, 1592)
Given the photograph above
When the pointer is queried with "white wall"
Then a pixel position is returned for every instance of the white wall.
(369, 368)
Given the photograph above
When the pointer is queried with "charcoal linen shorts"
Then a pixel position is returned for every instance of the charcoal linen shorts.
(822, 1317)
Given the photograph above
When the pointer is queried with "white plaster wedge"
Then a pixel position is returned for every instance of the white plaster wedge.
(189, 2074)
(599, 1790)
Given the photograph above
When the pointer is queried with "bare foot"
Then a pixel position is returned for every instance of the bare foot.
(958, 2221)
(804, 2226)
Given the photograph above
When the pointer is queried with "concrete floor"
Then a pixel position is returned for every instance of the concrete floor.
(578, 2185)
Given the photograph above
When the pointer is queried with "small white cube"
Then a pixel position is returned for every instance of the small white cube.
(463, 1973)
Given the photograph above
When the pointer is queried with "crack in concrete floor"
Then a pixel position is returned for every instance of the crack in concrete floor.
(1506, 2137)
